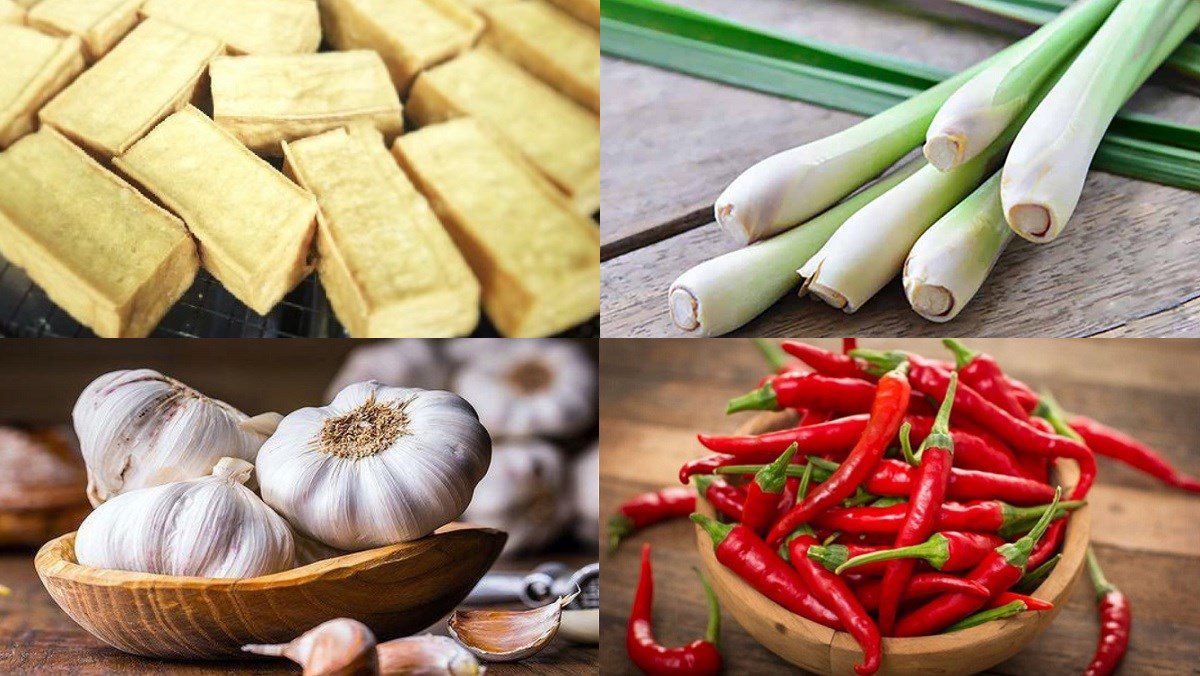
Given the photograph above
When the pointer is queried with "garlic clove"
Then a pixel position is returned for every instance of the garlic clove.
(581, 626)
(341, 647)
(507, 635)
(427, 655)
(263, 424)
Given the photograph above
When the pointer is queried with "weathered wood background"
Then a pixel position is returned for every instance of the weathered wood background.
(655, 396)
(1126, 265)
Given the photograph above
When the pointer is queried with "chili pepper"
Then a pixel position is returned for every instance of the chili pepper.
(981, 372)
(647, 509)
(894, 478)
(1049, 412)
(1034, 578)
(825, 362)
(1113, 444)
(812, 416)
(887, 412)
(726, 499)
(1031, 603)
(835, 436)
(764, 493)
(979, 516)
(779, 360)
(706, 465)
(806, 390)
(787, 499)
(889, 501)
(971, 451)
(697, 657)
(921, 586)
(946, 550)
(984, 616)
(1115, 621)
(999, 571)
(751, 559)
(849, 345)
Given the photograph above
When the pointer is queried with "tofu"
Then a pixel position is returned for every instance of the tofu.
(258, 27)
(587, 11)
(152, 73)
(11, 13)
(266, 100)
(103, 252)
(99, 23)
(537, 260)
(410, 35)
(254, 226)
(557, 135)
(549, 43)
(388, 266)
(37, 67)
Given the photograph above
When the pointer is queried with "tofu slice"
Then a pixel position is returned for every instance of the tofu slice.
(99, 23)
(549, 43)
(537, 260)
(152, 73)
(11, 13)
(388, 266)
(36, 69)
(410, 35)
(266, 100)
(255, 227)
(587, 11)
(557, 135)
(258, 27)
(110, 257)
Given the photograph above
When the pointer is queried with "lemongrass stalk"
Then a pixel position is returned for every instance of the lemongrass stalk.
(983, 108)
(1049, 160)
(724, 293)
(947, 265)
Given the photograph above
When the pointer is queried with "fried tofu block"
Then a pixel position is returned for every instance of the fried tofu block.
(388, 266)
(255, 227)
(99, 23)
(36, 69)
(537, 260)
(265, 100)
(258, 27)
(587, 11)
(557, 135)
(152, 73)
(410, 35)
(27, 4)
(11, 13)
(547, 42)
(110, 257)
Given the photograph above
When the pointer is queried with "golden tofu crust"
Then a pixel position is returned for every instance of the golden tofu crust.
(259, 27)
(99, 23)
(37, 68)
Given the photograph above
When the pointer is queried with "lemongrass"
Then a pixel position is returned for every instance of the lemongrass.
(983, 108)
(947, 265)
(724, 293)
(1049, 160)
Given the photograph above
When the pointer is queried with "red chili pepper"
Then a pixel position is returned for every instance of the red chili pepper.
(812, 416)
(981, 373)
(1113, 444)
(835, 436)
(849, 345)
(887, 412)
(1005, 598)
(1115, 621)
(764, 493)
(946, 550)
(647, 509)
(726, 499)
(706, 465)
(825, 362)
(751, 559)
(971, 451)
(980, 516)
(697, 657)
(791, 490)
(921, 586)
(999, 571)
(894, 478)
(807, 390)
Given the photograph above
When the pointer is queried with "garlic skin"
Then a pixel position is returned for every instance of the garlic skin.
(427, 655)
(585, 491)
(408, 362)
(523, 494)
(341, 647)
(378, 466)
(507, 635)
(140, 428)
(208, 527)
(532, 387)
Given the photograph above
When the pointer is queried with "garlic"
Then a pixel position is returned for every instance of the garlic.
(140, 428)
(523, 494)
(343, 647)
(507, 635)
(581, 626)
(585, 490)
(533, 387)
(410, 362)
(378, 466)
(427, 655)
(208, 527)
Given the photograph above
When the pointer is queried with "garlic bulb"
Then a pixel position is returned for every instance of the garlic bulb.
(378, 466)
(208, 527)
(409, 362)
(140, 428)
(533, 387)
(585, 489)
(523, 494)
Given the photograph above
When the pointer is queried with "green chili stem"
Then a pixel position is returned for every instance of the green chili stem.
(1049, 409)
(772, 477)
(716, 530)
(773, 353)
(963, 355)
(1034, 578)
(935, 550)
(713, 633)
(762, 399)
(1101, 583)
(984, 616)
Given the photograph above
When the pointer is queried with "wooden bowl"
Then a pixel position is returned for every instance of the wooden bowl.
(822, 650)
(396, 591)
(32, 513)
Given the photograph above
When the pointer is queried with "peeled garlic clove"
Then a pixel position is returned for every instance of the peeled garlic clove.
(343, 647)
(427, 655)
(507, 635)
(581, 626)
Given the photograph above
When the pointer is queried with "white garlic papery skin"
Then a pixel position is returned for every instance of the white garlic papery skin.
(208, 527)
(524, 494)
(407, 362)
(533, 387)
(140, 428)
(585, 491)
(378, 466)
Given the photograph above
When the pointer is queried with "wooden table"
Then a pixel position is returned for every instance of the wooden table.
(655, 395)
(1125, 266)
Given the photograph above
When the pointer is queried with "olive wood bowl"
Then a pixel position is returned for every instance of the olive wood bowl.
(396, 591)
(822, 650)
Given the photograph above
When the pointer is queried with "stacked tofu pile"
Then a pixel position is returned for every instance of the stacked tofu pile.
(142, 139)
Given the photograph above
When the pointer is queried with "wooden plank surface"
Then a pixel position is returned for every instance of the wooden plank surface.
(673, 142)
(655, 395)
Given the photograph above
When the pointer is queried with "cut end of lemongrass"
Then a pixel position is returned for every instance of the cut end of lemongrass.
(685, 309)
(831, 297)
(945, 151)
(933, 302)
(1031, 221)
(734, 222)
